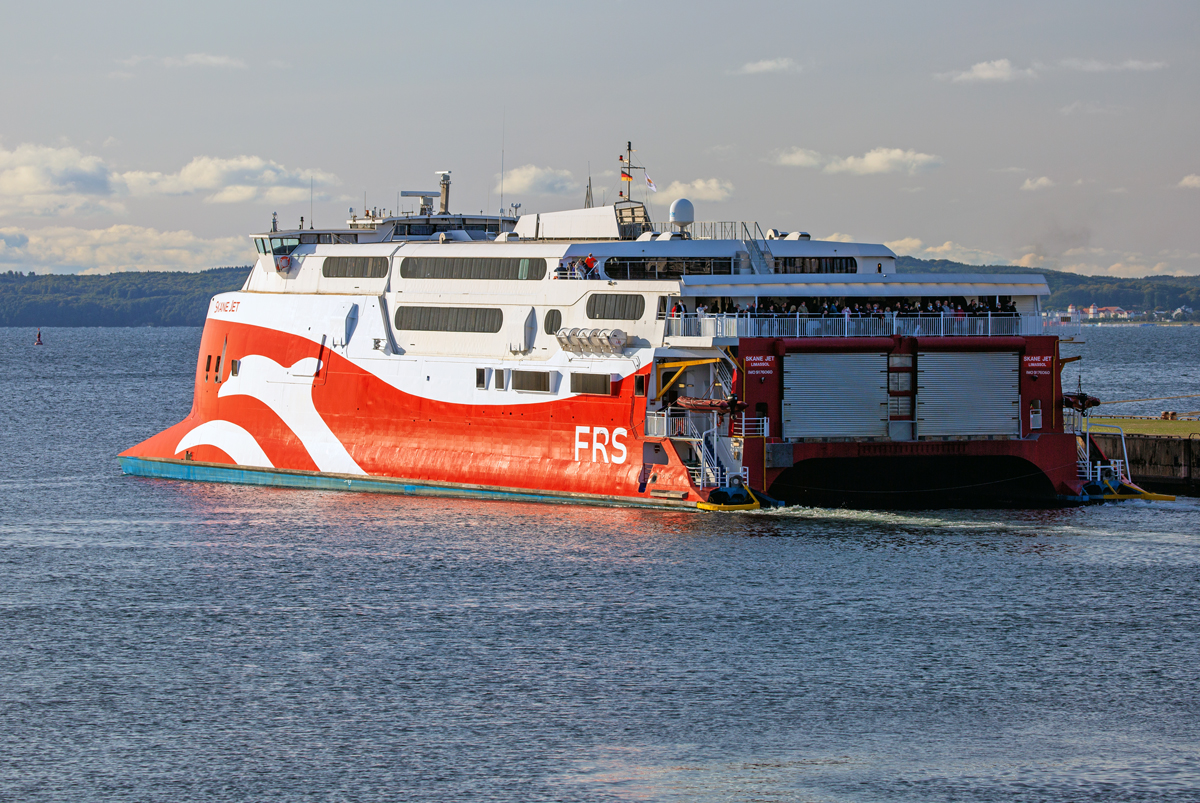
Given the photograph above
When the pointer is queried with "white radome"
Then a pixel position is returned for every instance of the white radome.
(682, 211)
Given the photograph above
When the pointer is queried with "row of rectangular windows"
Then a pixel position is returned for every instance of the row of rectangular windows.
(600, 307)
(473, 268)
(649, 268)
(539, 382)
(816, 265)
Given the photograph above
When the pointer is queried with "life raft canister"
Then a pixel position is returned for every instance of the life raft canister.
(283, 263)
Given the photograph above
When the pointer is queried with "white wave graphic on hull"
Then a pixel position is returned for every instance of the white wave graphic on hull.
(231, 439)
(275, 386)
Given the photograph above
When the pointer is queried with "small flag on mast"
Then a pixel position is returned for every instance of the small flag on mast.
(650, 184)
(625, 176)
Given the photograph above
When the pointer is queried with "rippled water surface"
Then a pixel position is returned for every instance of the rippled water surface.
(166, 641)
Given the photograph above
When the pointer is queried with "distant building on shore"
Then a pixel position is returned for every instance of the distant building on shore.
(1097, 313)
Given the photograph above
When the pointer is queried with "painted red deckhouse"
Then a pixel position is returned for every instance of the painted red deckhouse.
(708, 365)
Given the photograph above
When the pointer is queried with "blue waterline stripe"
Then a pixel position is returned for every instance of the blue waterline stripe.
(207, 472)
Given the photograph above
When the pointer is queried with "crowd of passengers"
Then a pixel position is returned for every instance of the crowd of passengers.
(846, 308)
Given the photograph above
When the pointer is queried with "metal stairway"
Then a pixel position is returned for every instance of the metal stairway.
(758, 259)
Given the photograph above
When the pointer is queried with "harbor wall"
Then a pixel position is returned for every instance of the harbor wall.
(1159, 463)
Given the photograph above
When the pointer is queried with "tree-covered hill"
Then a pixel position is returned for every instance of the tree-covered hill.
(163, 298)
(1152, 292)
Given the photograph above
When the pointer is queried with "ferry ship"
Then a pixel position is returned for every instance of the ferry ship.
(594, 356)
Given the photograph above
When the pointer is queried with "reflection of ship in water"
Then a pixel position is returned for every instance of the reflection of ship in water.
(592, 355)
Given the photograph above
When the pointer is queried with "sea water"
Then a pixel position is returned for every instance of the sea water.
(166, 641)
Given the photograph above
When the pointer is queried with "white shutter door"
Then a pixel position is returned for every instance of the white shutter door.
(835, 396)
(961, 393)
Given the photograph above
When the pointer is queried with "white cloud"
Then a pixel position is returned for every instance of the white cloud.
(838, 237)
(1030, 260)
(1033, 185)
(190, 60)
(1129, 65)
(65, 249)
(241, 179)
(702, 189)
(879, 160)
(1126, 270)
(1191, 182)
(905, 246)
(884, 160)
(768, 66)
(960, 253)
(799, 157)
(998, 71)
(42, 181)
(535, 180)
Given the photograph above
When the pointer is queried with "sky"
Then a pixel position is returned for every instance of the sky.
(151, 136)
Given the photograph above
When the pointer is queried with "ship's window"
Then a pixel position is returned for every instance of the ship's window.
(324, 238)
(412, 230)
(615, 307)
(449, 319)
(597, 384)
(308, 239)
(217, 368)
(261, 245)
(553, 322)
(234, 367)
(531, 380)
(481, 378)
(472, 268)
(207, 363)
(639, 385)
(282, 246)
(499, 379)
(354, 267)
(345, 239)
(644, 268)
(816, 265)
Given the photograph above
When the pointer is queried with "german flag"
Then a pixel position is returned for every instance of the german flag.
(625, 176)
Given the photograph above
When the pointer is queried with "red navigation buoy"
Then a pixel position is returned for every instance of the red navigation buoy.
(38, 341)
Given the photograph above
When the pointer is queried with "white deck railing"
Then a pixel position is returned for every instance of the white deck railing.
(885, 325)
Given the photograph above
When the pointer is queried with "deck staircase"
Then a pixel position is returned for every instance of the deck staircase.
(758, 258)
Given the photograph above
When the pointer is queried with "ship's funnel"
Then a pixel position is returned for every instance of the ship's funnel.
(445, 174)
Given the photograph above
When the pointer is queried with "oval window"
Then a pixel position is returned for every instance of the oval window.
(553, 321)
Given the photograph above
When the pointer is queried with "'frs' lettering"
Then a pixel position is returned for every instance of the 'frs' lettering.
(597, 440)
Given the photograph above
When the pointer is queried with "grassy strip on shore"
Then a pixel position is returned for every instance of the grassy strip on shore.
(1151, 426)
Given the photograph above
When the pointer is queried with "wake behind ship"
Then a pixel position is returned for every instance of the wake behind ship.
(592, 356)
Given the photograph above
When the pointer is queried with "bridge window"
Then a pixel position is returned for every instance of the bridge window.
(449, 319)
(354, 267)
(615, 307)
(553, 322)
(816, 265)
(473, 268)
(649, 268)
(282, 246)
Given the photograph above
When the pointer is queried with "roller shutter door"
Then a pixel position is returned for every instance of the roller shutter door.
(835, 396)
(968, 393)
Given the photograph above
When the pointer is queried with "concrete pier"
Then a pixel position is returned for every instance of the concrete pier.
(1159, 463)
